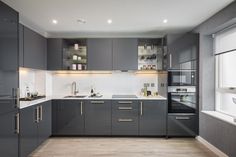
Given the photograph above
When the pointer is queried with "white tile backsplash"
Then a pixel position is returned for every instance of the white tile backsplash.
(114, 83)
(51, 83)
(34, 79)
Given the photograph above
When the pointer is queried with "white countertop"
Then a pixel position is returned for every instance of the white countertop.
(24, 104)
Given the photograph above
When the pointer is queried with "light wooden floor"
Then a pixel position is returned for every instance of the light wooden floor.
(122, 147)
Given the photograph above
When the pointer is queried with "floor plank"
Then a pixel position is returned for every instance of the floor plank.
(122, 147)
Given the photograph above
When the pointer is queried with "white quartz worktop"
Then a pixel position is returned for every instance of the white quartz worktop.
(24, 104)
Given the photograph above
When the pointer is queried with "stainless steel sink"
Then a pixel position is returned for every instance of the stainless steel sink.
(76, 96)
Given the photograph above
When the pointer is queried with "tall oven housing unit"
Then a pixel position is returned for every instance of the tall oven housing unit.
(183, 110)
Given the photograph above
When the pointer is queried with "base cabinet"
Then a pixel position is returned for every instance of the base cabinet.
(8, 135)
(182, 125)
(98, 117)
(68, 117)
(45, 125)
(35, 127)
(125, 118)
(152, 118)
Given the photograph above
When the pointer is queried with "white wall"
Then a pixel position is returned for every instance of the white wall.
(110, 83)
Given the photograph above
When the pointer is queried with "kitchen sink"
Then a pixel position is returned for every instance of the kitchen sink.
(76, 96)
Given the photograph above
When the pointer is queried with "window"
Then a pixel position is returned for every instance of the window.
(225, 56)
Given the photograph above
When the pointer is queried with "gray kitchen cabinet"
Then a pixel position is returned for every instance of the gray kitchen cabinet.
(97, 117)
(99, 54)
(35, 50)
(54, 53)
(9, 73)
(125, 54)
(21, 45)
(152, 117)
(9, 134)
(28, 130)
(182, 51)
(35, 127)
(182, 125)
(125, 117)
(68, 117)
(45, 125)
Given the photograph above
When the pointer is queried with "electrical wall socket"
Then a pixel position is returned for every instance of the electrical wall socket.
(146, 85)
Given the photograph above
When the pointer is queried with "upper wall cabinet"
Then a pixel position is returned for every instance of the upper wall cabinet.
(74, 55)
(150, 54)
(8, 38)
(33, 47)
(183, 51)
(54, 53)
(99, 54)
(125, 54)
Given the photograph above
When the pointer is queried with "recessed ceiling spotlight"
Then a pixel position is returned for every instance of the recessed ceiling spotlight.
(109, 21)
(165, 21)
(82, 21)
(54, 21)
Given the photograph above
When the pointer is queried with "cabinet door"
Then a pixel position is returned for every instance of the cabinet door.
(182, 125)
(99, 54)
(125, 54)
(54, 54)
(125, 118)
(45, 124)
(152, 120)
(35, 49)
(8, 38)
(8, 135)
(98, 117)
(21, 45)
(28, 130)
(69, 117)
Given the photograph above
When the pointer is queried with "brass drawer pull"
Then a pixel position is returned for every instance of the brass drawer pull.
(125, 120)
(125, 108)
(97, 102)
(125, 102)
(182, 118)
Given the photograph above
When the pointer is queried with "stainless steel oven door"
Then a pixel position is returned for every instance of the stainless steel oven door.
(184, 102)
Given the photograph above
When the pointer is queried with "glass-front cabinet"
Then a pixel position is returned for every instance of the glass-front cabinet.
(150, 54)
(75, 54)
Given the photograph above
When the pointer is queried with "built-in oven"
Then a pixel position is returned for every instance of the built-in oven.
(182, 99)
(182, 78)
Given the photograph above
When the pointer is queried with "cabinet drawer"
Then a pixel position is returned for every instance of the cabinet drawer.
(182, 125)
(124, 105)
(125, 125)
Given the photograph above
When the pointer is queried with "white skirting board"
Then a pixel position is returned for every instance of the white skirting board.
(211, 147)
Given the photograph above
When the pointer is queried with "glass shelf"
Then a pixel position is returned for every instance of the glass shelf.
(75, 55)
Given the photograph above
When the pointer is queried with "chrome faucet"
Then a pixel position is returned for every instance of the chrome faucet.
(73, 87)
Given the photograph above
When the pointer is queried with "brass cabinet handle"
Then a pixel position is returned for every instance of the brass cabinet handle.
(125, 102)
(125, 108)
(81, 108)
(41, 113)
(97, 102)
(141, 108)
(18, 97)
(17, 123)
(125, 120)
(37, 114)
(182, 118)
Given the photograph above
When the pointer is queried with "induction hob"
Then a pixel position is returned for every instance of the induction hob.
(124, 96)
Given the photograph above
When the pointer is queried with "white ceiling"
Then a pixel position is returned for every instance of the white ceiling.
(130, 17)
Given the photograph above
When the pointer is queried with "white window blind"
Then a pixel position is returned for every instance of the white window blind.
(225, 50)
(225, 40)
